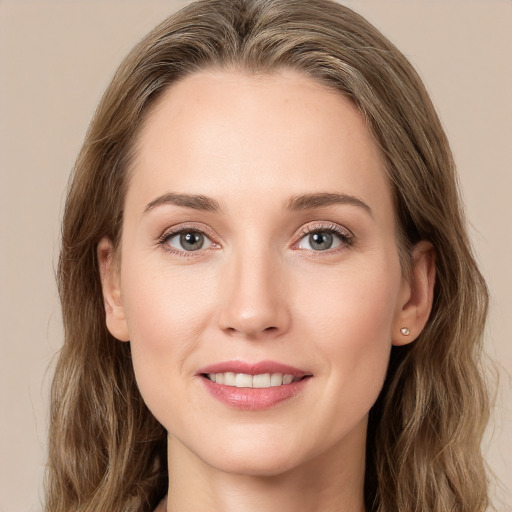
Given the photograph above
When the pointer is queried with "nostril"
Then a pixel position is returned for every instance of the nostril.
(253, 319)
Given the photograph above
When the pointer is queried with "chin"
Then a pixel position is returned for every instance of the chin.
(265, 465)
(254, 452)
(265, 452)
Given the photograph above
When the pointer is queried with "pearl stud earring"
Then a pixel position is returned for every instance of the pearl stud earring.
(405, 331)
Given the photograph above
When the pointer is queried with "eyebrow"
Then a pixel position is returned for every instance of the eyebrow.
(192, 201)
(296, 203)
(309, 201)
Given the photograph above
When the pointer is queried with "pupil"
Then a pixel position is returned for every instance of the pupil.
(321, 240)
(191, 241)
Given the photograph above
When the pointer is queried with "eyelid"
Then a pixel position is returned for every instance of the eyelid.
(170, 233)
(346, 236)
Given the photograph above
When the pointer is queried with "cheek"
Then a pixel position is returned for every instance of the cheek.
(166, 312)
(350, 316)
(349, 304)
(164, 305)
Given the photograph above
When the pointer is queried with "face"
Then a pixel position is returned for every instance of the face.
(258, 251)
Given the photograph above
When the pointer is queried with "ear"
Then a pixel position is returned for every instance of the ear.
(417, 294)
(110, 283)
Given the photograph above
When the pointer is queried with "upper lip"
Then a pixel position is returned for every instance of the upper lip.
(253, 368)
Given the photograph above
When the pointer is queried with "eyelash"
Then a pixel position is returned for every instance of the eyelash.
(168, 235)
(345, 236)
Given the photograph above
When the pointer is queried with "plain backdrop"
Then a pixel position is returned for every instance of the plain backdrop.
(56, 58)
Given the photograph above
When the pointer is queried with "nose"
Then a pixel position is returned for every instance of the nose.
(254, 302)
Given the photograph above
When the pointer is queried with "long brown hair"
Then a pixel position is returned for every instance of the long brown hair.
(106, 450)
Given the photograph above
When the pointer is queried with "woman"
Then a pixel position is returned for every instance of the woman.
(265, 207)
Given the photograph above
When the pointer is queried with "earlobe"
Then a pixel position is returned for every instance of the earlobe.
(110, 284)
(416, 303)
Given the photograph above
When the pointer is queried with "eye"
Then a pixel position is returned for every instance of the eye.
(324, 238)
(186, 240)
(319, 241)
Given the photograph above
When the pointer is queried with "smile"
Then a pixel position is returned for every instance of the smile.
(244, 380)
(253, 386)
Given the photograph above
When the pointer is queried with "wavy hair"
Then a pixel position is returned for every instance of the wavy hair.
(106, 450)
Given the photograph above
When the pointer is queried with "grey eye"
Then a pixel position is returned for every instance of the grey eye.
(189, 241)
(321, 240)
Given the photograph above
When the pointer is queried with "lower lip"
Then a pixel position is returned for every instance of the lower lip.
(254, 399)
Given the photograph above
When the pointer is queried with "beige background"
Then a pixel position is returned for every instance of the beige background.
(56, 57)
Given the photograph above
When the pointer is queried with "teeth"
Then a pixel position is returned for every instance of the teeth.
(276, 379)
(263, 380)
(287, 379)
(229, 379)
(243, 380)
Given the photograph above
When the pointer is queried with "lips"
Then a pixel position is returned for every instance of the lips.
(253, 386)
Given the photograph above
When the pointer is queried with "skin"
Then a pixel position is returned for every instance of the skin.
(259, 289)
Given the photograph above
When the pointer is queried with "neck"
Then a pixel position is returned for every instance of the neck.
(329, 482)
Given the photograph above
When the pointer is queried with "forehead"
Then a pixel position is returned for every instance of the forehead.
(227, 133)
